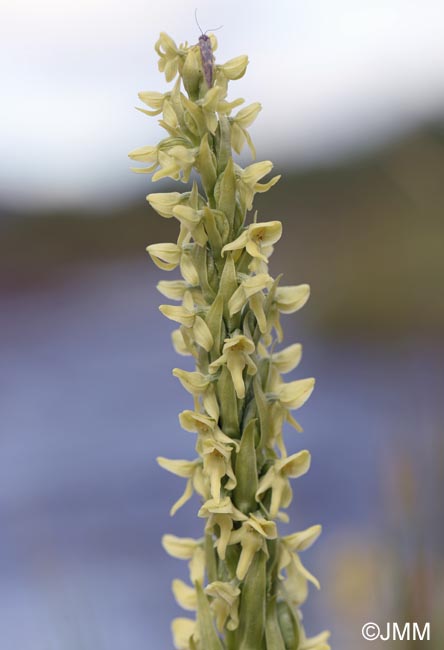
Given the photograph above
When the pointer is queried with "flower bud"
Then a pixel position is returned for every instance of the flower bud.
(225, 192)
(214, 321)
(207, 165)
(191, 73)
(273, 635)
(246, 470)
(228, 404)
(288, 625)
(228, 284)
(252, 606)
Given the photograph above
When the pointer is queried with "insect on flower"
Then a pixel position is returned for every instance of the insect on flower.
(206, 53)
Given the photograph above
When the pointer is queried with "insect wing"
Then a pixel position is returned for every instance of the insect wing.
(206, 53)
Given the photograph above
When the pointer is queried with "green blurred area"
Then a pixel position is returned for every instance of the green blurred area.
(367, 234)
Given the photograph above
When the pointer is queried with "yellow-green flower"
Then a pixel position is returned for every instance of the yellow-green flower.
(285, 397)
(214, 102)
(217, 464)
(239, 125)
(280, 363)
(294, 394)
(221, 513)
(175, 156)
(236, 356)
(192, 471)
(170, 56)
(287, 300)
(165, 256)
(277, 480)
(168, 256)
(175, 162)
(191, 220)
(154, 100)
(251, 291)
(206, 428)
(170, 120)
(301, 540)
(147, 154)
(164, 202)
(186, 315)
(200, 385)
(225, 603)
(296, 582)
(287, 359)
(252, 536)
(256, 238)
(248, 181)
(290, 299)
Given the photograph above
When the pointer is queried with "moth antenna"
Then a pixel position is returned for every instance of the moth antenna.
(197, 22)
(215, 29)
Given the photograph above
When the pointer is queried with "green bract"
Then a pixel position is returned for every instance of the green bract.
(246, 582)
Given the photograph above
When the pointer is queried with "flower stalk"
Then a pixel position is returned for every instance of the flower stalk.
(246, 582)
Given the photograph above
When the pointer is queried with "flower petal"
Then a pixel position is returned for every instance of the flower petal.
(185, 595)
(294, 394)
(290, 299)
(181, 548)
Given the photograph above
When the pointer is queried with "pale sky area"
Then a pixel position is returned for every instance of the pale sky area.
(332, 75)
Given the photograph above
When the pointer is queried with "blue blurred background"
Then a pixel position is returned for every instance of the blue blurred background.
(353, 116)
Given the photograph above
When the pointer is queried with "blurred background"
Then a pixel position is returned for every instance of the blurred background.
(353, 116)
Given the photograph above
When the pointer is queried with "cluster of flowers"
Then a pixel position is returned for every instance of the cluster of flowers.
(246, 582)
